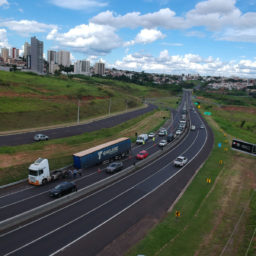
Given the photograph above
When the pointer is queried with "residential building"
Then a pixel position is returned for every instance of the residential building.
(99, 68)
(82, 67)
(27, 50)
(53, 67)
(63, 58)
(5, 54)
(37, 61)
(14, 53)
(52, 56)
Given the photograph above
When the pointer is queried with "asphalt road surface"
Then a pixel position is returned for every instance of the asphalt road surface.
(86, 226)
(26, 138)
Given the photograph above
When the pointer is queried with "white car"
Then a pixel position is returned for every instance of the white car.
(162, 132)
(193, 127)
(202, 126)
(163, 143)
(151, 135)
(178, 132)
(180, 161)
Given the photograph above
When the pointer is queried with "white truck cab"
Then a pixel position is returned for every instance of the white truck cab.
(39, 172)
(142, 138)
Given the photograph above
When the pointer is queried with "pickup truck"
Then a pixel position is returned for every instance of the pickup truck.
(180, 161)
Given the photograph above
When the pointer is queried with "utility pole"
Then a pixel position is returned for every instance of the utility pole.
(78, 110)
(109, 106)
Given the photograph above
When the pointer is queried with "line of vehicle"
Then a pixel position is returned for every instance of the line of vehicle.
(98, 207)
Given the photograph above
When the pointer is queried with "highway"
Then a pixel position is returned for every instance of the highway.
(86, 226)
(27, 137)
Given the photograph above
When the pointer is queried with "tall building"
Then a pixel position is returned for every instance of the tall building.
(5, 54)
(99, 68)
(52, 56)
(37, 61)
(14, 53)
(27, 50)
(63, 58)
(82, 67)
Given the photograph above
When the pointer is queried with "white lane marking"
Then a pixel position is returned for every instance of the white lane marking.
(120, 212)
(15, 192)
(44, 192)
(96, 208)
(128, 176)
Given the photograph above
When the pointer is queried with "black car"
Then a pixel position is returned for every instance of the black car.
(63, 189)
(114, 167)
(170, 137)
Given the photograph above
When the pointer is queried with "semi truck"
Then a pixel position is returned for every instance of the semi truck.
(39, 173)
(106, 152)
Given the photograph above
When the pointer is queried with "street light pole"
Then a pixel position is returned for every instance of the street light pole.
(78, 111)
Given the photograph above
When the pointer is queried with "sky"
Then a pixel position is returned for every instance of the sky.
(210, 37)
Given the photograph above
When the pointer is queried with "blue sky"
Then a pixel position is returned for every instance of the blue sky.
(210, 37)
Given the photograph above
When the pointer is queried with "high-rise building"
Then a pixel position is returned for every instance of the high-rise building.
(14, 53)
(52, 56)
(27, 50)
(99, 68)
(5, 54)
(63, 58)
(82, 67)
(37, 61)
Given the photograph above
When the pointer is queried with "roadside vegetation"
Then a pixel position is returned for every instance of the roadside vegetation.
(29, 100)
(14, 161)
(216, 218)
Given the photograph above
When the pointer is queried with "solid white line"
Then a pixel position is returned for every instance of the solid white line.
(98, 207)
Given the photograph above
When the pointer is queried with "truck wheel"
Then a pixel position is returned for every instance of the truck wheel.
(44, 181)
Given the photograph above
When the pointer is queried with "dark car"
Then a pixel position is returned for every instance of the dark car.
(63, 189)
(170, 137)
(114, 167)
(39, 137)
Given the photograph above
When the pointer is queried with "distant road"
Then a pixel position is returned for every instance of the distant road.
(26, 138)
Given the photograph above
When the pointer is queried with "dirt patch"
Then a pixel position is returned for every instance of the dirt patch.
(240, 109)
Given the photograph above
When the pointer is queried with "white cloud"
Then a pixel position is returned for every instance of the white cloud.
(3, 38)
(165, 18)
(173, 44)
(146, 36)
(91, 39)
(26, 27)
(78, 4)
(4, 3)
(196, 34)
(188, 63)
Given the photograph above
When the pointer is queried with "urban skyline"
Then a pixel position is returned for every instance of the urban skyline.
(208, 37)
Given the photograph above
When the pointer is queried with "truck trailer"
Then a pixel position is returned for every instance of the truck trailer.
(109, 151)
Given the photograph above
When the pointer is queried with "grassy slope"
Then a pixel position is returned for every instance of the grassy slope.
(28, 100)
(209, 212)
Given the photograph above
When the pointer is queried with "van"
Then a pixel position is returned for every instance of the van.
(170, 137)
(142, 138)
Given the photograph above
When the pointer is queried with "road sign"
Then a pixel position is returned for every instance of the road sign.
(221, 162)
(177, 213)
(243, 146)
(208, 113)
(219, 144)
(208, 180)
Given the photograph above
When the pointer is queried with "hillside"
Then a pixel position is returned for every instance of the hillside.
(28, 100)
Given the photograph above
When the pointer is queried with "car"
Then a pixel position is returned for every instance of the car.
(170, 137)
(162, 132)
(39, 137)
(151, 135)
(178, 132)
(193, 127)
(142, 155)
(114, 167)
(180, 161)
(63, 188)
(163, 143)
(202, 126)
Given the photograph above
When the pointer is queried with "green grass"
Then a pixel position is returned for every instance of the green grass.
(30, 101)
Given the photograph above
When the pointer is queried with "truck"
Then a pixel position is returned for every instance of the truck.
(142, 138)
(39, 173)
(103, 153)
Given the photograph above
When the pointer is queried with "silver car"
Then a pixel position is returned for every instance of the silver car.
(39, 137)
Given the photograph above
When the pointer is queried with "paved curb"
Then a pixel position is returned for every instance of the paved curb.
(25, 216)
